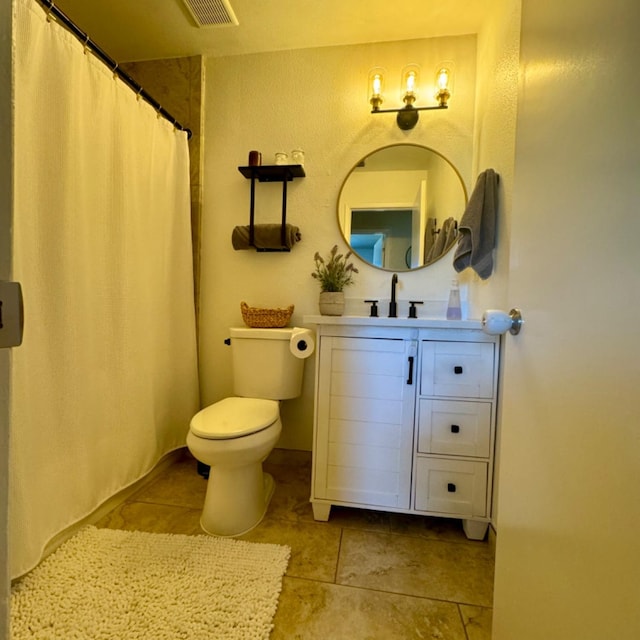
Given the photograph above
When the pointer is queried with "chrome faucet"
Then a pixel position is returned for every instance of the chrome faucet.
(393, 307)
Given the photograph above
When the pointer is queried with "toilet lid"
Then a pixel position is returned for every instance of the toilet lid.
(234, 417)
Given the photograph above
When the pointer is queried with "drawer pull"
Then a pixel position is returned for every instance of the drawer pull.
(451, 488)
(455, 428)
(457, 370)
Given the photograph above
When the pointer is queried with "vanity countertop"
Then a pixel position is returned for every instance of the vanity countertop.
(412, 323)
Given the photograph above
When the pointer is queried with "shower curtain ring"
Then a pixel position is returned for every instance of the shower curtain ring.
(85, 44)
(115, 71)
(50, 10)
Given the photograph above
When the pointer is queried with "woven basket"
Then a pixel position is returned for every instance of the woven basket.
(265, 318)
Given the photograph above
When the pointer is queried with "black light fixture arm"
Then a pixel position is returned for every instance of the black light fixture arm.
(409, 108)
(407, 117)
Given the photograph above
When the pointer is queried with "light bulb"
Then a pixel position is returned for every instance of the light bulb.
(443, 86)
(410, 77)
(376, 87)
(443, 78)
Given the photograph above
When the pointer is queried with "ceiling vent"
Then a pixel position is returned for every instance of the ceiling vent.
(209, 13)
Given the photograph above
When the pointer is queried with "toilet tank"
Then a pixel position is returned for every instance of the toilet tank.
(263, 365)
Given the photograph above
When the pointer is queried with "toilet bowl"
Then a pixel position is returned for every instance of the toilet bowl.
(234, 436)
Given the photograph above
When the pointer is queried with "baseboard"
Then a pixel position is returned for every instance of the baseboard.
(492, 538)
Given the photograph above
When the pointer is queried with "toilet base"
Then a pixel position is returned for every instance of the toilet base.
(224, 514)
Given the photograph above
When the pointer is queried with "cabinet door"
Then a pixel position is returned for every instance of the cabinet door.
(366, 397)
(454, 427)
(458, 369)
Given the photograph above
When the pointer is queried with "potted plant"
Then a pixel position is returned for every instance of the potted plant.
(333, 274)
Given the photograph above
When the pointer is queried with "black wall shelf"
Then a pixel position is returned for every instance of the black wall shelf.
(271, 173)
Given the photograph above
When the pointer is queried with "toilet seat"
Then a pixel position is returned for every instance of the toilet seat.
(234, 418)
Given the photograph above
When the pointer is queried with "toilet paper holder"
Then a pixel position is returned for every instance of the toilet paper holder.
(496, 322)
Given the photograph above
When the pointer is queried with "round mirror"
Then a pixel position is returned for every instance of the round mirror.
(399, 207)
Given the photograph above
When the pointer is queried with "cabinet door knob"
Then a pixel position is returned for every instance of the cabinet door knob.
(451, 488)
(457, 369)
(455, 428)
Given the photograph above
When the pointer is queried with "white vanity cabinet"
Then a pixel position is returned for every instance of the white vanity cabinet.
(405, 415)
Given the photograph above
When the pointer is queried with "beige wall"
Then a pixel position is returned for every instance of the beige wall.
(495, 132)
(494, 140)
(315, 99)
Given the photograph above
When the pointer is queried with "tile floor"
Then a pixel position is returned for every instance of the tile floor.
(362, 575)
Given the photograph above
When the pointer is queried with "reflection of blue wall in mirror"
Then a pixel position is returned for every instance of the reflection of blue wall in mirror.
(369, 246)
(394, 225)
(404, 177)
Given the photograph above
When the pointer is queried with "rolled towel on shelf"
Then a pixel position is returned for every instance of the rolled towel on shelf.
(265, 236)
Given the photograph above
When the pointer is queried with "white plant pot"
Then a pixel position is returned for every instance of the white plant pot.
(331, 303)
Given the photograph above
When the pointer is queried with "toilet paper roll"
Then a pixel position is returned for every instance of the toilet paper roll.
(302, 343)
(495, 322)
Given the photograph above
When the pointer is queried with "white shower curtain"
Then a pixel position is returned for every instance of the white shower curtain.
(105, 382)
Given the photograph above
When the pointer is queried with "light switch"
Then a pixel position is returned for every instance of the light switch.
(11, 314)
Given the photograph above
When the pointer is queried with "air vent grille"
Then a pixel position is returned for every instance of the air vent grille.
(211, 12)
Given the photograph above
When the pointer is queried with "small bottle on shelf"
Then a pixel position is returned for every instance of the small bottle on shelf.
(454, 311)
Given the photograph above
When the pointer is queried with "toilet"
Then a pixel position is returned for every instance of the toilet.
(235, 435)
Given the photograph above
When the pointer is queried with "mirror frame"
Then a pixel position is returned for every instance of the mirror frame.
(359, 163)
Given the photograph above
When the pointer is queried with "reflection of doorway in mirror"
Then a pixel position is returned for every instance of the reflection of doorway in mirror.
(382, 236)
(403, 220)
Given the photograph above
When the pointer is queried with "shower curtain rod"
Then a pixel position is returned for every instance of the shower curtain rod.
(52, 10)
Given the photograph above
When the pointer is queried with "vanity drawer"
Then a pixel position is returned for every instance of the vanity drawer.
(458, 369)
(451, 486)
(454, 427)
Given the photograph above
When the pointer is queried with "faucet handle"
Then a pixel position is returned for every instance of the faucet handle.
(413, 312)
(374, 308)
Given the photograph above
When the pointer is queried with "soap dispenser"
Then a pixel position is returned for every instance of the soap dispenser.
(454, 311)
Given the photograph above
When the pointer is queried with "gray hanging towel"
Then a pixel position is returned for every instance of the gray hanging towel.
(438, 246)
(450, 229)
(477, 230)
(429, 238)
(266, 236)
(445, 240)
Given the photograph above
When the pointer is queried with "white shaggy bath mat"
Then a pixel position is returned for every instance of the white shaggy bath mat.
(106, 584)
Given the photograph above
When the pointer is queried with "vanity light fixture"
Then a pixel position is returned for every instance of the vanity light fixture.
(407, 117)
